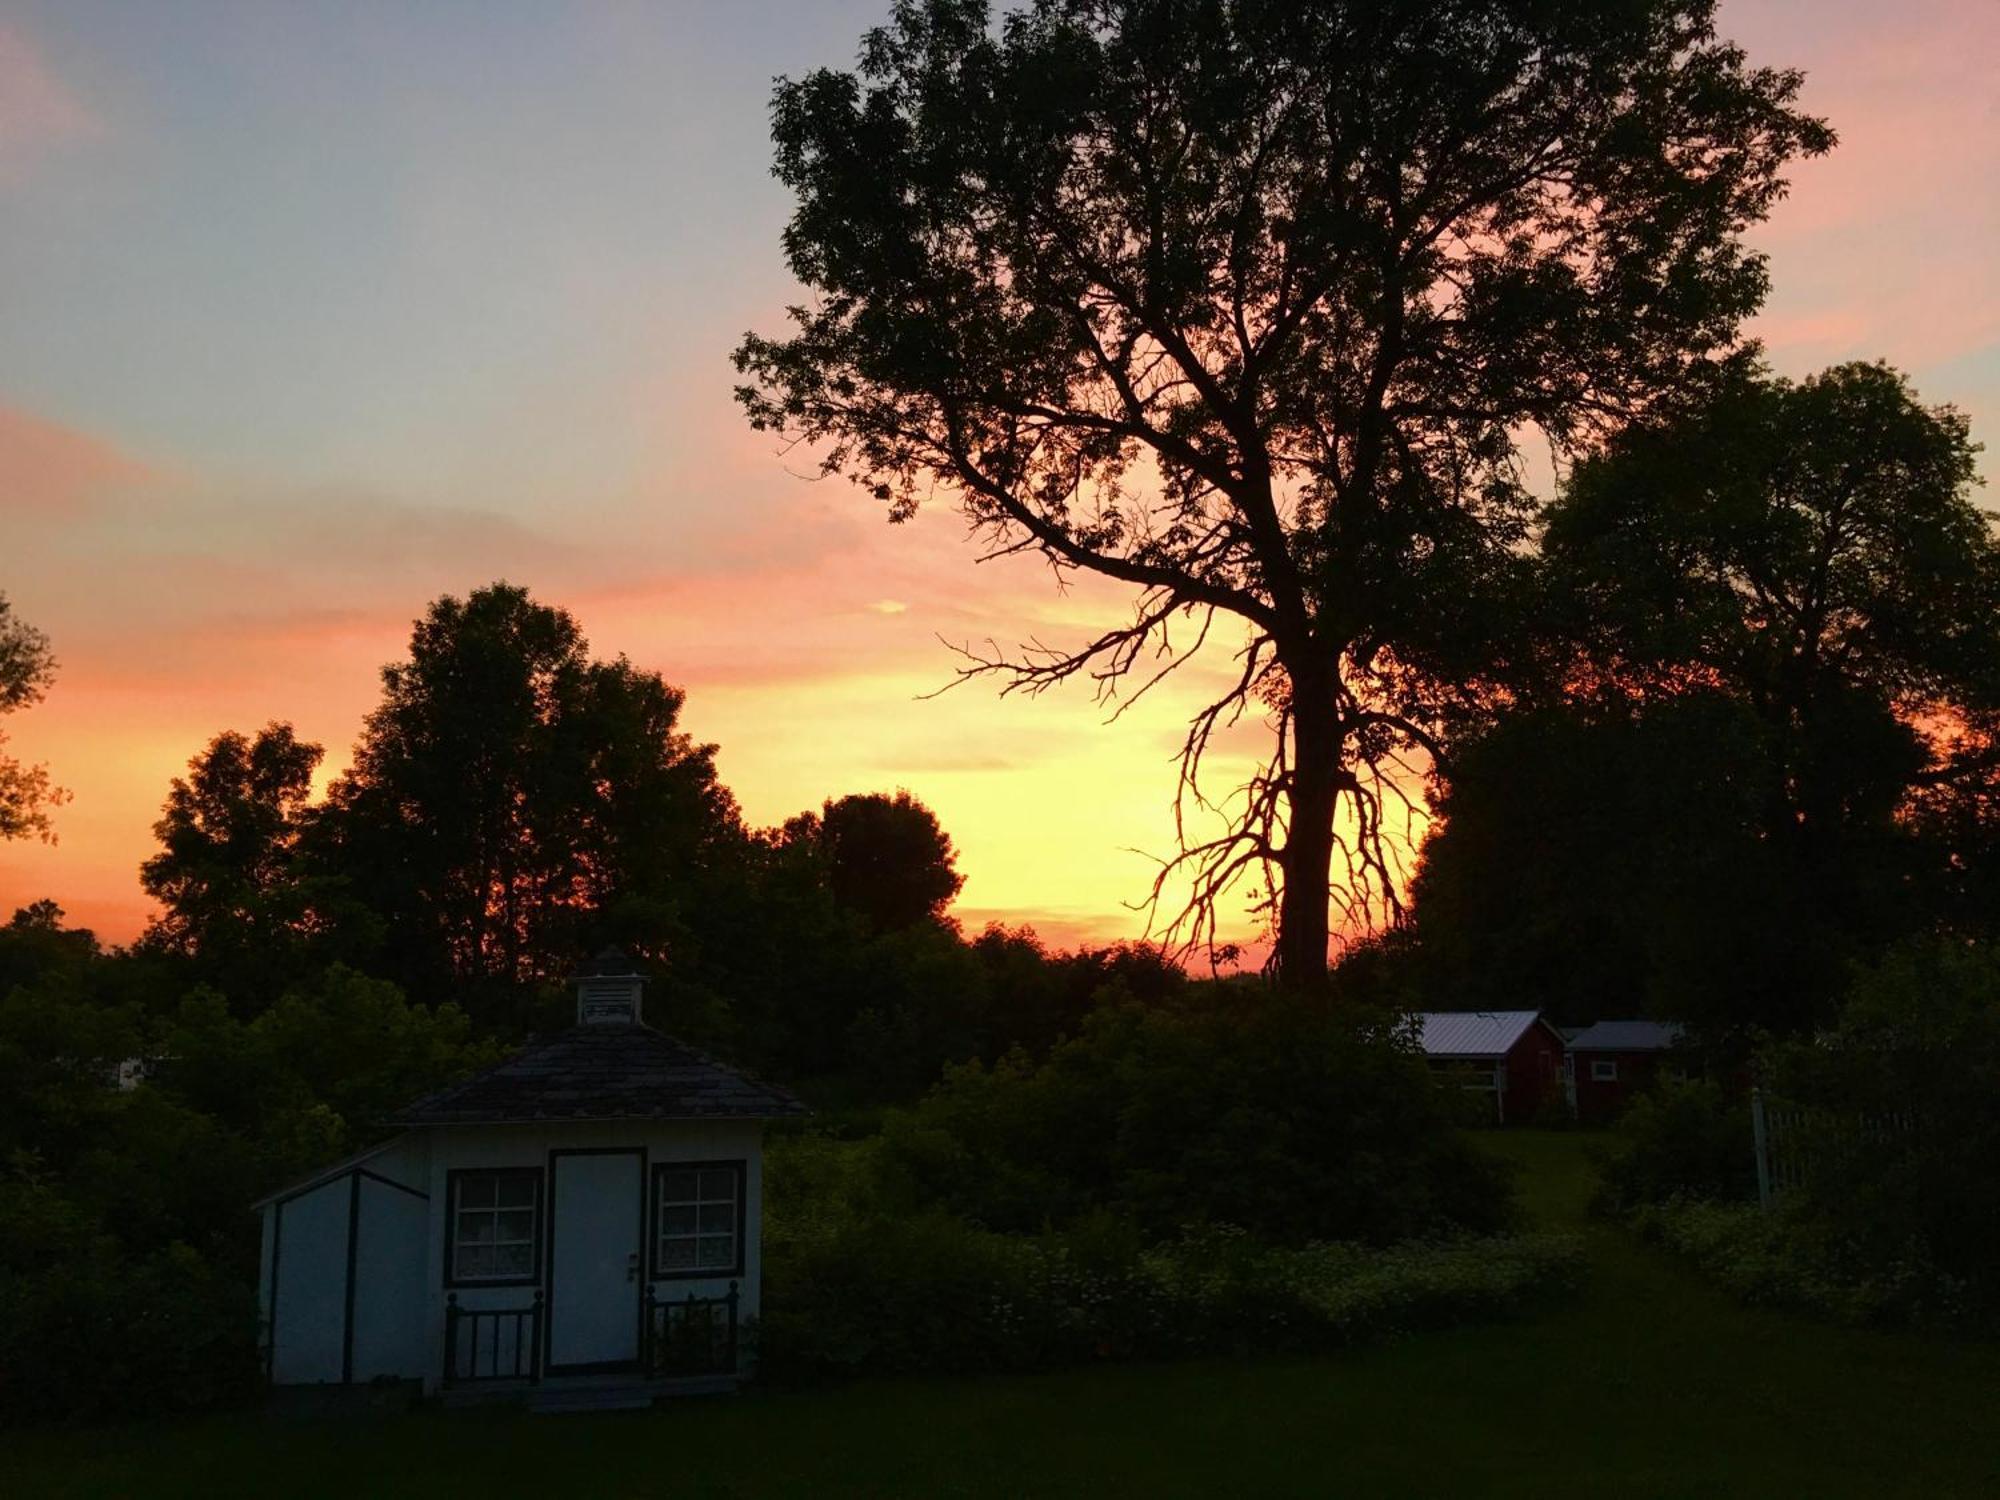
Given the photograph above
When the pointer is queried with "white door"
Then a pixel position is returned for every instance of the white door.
(594, 1283)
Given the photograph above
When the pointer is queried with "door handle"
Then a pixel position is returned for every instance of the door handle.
(632, 1266)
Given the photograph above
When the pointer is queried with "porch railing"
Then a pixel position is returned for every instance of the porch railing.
(500, 1343)
(689, 1335)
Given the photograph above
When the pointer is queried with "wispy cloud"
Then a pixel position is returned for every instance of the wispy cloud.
(50, 469)
(38, 112)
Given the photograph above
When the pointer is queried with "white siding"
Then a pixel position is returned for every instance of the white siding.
(389, 1282)
(310, 1309)
(306, 1244)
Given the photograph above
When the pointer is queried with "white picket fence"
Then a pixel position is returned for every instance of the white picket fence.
(1791, 1142)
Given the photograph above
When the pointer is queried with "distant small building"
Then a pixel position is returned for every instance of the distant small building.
(1514, 1056)
(587, 1211)
(1613, 1060)
(128, 1073)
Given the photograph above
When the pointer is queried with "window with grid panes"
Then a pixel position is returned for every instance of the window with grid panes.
(494, 1224)
(699, 1214)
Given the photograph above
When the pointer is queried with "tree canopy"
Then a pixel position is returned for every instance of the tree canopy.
(514, 803)
(886, 858)
(1597, 865)
(1247, 305)
(1811, 548)
(1764, 747)
(227, 876)
(27, 667)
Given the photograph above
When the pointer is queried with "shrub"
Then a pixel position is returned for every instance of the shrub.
(1293, 1121)
(1795, 1259)
(1891, 1207)
(1680, 1141)
(103, 1337)
(1902, 1180)
(931, 1293)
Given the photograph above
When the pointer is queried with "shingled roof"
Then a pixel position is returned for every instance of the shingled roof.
(604, 1072)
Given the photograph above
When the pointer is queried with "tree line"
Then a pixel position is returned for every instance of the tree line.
(513, 804)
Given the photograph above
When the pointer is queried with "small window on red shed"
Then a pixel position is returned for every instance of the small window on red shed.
(1604, 1070)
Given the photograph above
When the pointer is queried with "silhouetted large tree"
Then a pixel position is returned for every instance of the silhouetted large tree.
(1248, 305)
(513, 802)
(1766, 746)
(1811, 549)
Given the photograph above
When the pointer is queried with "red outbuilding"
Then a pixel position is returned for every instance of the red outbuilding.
(1513, 1055)
(1610, 1062)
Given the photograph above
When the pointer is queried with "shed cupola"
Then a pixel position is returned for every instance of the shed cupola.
(608, 991)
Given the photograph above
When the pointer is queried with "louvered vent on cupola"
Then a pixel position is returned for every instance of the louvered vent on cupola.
(607, 994)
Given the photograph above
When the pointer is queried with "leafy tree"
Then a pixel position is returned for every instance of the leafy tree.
(1957, 816)
(58, 1049)
(316, 1073)
(26, 669)
(1813, 550)
(1248, 305)
(228, 873)
(34, 944)
(1764, 748)
(514, 803)
(1595, 865)
(886, 858)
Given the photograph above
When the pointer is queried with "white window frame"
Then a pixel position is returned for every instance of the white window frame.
(457, 1243)
(715, 1217)
(1604, 1070)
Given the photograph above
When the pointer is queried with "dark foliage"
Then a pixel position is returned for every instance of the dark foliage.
(886, 859)
(112, 1337)
(1613, 862)
(1292, 1121)
(1759, 746)
(1903, 1119)
(1681, 1141)
(1889, 1207)
(928, 1293)
(239, 909)
(514, 803)
(27, 667)
(133, 1138)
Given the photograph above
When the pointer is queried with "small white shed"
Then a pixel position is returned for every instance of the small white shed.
(589, 1208)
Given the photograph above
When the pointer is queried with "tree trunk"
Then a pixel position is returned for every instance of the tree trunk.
(1307, 863)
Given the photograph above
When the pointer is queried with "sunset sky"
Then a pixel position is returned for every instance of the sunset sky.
(310, 314)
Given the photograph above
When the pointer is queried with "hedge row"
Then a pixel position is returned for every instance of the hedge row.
(931, 1293)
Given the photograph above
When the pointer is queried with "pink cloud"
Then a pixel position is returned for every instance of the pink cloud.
(38, 111)
(49, 468)
(1883, 247)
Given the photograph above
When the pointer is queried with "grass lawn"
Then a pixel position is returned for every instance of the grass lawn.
(1648, 1384)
